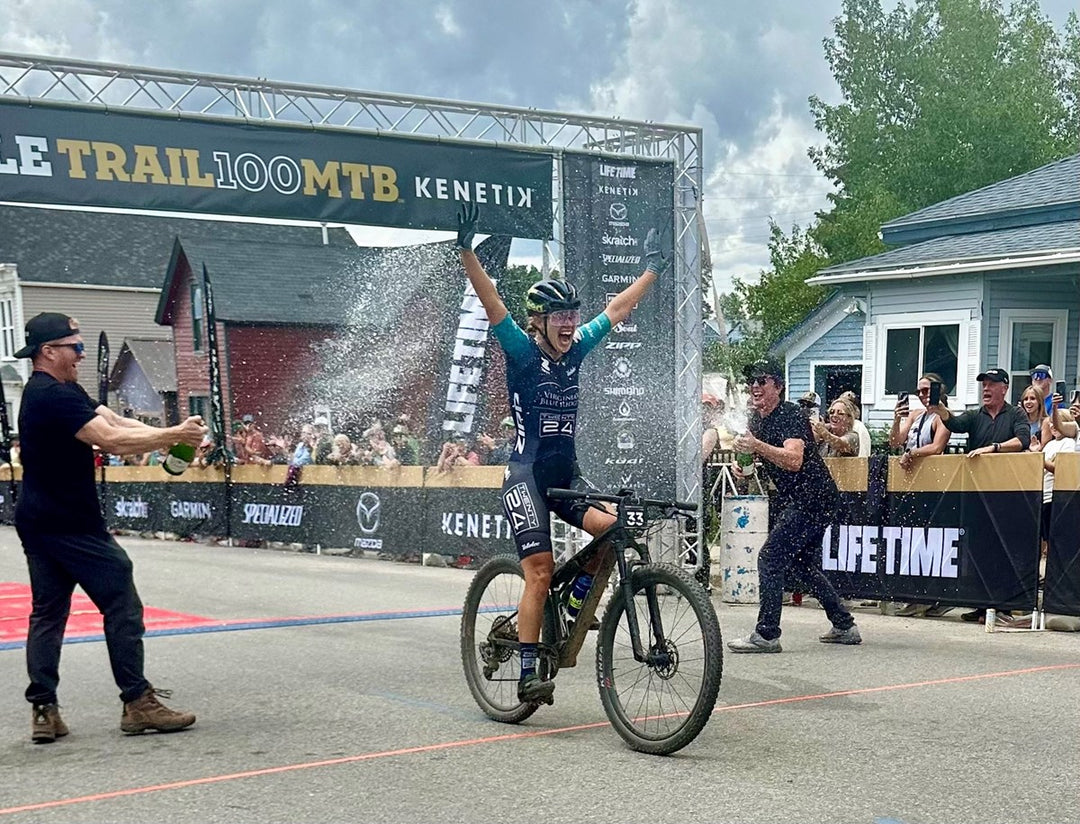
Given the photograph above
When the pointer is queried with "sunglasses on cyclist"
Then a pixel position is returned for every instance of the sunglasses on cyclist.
(78, 347)
(565, 317)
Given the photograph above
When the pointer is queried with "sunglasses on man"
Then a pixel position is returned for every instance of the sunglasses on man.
(759, 380)
(78, 347)
(1040, 376)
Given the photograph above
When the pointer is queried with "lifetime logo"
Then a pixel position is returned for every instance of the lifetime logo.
(925, 552)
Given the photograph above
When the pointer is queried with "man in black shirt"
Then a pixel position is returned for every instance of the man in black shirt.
(806, 502)
(63, 534)
(995, 426)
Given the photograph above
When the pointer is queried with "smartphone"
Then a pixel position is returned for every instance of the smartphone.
(935, 393)
(901, 398)
(1075, 398)
(1059, 389)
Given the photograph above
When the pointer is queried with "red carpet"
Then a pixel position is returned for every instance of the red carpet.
(84, 619)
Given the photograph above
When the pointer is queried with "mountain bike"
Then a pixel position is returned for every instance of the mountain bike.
(659, 652)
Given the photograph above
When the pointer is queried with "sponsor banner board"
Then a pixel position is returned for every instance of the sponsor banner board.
(1062, 594)
(85, 156)
(627, 431)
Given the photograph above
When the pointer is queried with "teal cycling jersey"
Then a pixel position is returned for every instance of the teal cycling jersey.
(544, 392)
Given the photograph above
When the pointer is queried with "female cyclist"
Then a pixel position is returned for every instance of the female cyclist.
(542, 371)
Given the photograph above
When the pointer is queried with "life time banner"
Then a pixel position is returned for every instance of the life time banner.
(89, 157)
(1062, 594)
(627, 410)
(956, 530)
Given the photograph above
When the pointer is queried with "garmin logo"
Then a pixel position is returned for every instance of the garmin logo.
(618, 240)
(623, 172)
(925, 552)
(475, 525)
(136, 508)
(273, 514)
(190, 510)
(618, 278)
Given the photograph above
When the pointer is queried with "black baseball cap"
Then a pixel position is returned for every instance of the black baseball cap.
(764, 368)
(996, 375)
(45, 328)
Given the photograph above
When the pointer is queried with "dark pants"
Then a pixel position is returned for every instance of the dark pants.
(101, 567)
(794, 546)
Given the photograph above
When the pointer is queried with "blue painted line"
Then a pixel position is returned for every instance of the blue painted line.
(273, 623)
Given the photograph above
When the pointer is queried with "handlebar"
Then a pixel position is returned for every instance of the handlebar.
(574, 495)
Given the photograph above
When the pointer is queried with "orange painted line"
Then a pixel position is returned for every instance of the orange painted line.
(517, 736)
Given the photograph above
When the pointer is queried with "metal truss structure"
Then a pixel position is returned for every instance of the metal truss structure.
(52, 80)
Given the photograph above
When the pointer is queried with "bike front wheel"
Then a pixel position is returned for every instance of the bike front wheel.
(489, 641)
(660, 705)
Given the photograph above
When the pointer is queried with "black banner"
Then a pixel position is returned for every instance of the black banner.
(627, 423)
(463, 513)
(143, 502)
(954, 530)
(1062, 595)
(87, 157)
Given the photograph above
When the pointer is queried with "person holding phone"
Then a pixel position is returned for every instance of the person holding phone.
(920, 431)
(1042, 377)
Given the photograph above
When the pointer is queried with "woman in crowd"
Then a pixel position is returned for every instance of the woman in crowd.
(837, 438)
(1034, 407)
(919, 430)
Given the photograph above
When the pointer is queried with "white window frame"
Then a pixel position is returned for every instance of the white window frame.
(1058, 317)
(965, 389)
(8, 338)
(814, 364)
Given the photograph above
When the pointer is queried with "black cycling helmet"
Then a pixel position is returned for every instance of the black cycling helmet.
(550, 295)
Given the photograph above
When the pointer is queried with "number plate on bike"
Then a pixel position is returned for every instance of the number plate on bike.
(635, 515)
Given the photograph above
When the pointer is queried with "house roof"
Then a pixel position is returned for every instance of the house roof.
(1042, 241)
(317, 286)
(155, 358)
(123, 249)
(1048, 194)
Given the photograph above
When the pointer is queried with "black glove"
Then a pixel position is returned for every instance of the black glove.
(467, 216)
(655, 260)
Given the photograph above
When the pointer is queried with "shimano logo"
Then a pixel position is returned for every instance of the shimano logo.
(625, 391)
(190, 510)
(136, 508)
(273, 514)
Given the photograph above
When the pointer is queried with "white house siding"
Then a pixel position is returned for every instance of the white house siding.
(841, 344)
(1035, 291)
(120, 313)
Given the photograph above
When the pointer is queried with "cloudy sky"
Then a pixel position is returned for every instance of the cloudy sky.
(740, 69)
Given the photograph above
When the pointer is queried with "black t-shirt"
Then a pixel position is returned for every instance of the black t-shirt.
(984, 430)
(812, 488)
(58, 494)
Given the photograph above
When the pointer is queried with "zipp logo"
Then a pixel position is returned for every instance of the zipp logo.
(368, 509)
(623, 344)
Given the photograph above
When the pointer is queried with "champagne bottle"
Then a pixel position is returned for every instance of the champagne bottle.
(178, 459)
(745, 460)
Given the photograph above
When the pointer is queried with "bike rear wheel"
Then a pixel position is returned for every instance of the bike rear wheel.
(489, 651)
(661, 707)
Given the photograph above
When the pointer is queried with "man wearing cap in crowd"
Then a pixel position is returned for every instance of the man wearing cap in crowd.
(406, 447)
(806, 503)
(810, 404)
(255, 449)
(994, 427)
(58, 518)
(1042, 378)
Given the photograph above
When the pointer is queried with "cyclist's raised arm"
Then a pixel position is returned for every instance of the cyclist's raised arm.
(481, 283)
(619, 308)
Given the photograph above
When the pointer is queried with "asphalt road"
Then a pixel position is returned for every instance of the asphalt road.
(366, 716)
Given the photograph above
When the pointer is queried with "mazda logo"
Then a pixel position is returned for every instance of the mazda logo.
(617, 211)
(367, 512)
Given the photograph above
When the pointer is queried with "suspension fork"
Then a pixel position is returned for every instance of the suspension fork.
(626, 587)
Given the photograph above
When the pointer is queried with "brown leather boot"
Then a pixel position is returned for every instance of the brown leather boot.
(147, 713)
(46, 725)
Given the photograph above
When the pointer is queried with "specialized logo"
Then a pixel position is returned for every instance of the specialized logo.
(925, 552)
(191, 510)
(368, 509)
(520, 507)
(273, 514)
(136, 508)
(620, 260)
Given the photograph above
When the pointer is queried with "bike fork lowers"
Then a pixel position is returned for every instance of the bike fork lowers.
(627, 588)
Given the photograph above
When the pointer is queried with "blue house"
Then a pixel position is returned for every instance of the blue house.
(987, 278)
